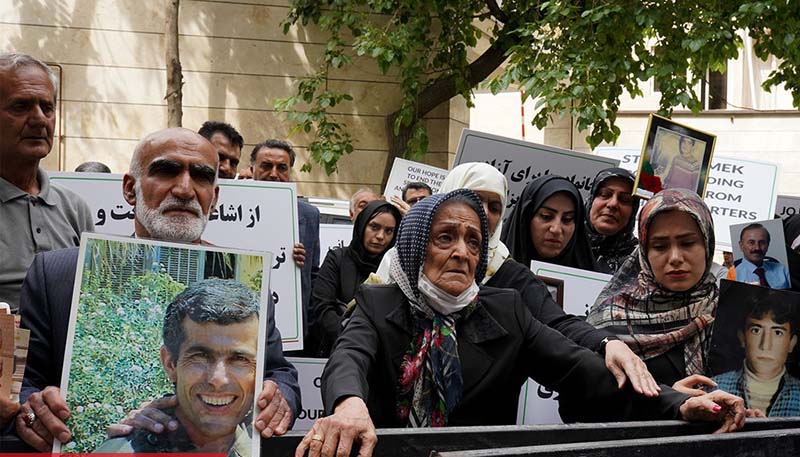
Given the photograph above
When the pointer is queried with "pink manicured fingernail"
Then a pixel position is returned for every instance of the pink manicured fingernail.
(717, 408)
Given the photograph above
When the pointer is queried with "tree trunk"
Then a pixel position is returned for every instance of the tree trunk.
(174, 95)
(438, 92)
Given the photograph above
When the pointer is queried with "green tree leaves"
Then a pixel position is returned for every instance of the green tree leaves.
(575, 58)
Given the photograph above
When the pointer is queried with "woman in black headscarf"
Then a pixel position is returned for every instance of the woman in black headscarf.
(345, 269)
(610, 218)
(547, 224)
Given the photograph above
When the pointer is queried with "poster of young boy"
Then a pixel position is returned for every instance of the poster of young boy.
(754, 347)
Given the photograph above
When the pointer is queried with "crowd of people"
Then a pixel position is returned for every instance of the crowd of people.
(431, 316)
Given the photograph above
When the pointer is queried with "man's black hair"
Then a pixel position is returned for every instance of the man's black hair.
(416, 185)
(753, 226)
(221, 301)
(782, 311)
(273, 144)
(209, 128)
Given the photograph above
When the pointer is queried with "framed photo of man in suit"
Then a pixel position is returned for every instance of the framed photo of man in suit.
(759, 254)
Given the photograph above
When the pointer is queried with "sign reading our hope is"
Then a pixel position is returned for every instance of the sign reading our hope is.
(738, 190)
(245, 217)
(537, 403)
(521, 161)
(405, 171)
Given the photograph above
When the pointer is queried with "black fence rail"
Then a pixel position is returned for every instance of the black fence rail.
(785, 442)
(658, 438)
(759, 438)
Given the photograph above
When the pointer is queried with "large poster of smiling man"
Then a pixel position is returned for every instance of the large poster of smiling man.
(169, 330)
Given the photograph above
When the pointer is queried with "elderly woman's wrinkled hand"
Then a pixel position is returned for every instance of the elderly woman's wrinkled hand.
(335, 434)
(693, 385)
(719, 406)
(625, 364)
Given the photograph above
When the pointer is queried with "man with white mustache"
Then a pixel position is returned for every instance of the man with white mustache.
(172, 184)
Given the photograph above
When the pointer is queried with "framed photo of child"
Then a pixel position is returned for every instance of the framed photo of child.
(673, 156)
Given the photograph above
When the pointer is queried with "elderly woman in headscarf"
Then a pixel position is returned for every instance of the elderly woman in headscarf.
(546, 224)
(663, 299)
(436, 349)
(503, 271)
(346, 268)
(611, 211)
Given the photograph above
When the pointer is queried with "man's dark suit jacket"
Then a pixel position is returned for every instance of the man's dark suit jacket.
(308, 223)
(45, 305)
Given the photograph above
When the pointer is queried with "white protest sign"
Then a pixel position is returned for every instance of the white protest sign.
(628, 157)
(309, 376)
(334, 236)
(787, 205)
(538, 404)
(521, 161)
(738, 190)
(257, 215)
(405, 171)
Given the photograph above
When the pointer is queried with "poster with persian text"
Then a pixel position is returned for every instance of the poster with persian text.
(521, 161)
(253, 215)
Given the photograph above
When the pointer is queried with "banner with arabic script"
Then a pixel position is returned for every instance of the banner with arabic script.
(522, 162)
(256, 215)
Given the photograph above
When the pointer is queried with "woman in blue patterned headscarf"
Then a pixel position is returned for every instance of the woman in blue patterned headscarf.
(434, 348)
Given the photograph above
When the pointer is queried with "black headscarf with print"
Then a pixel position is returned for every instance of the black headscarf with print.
(516, 233)
(610, 251)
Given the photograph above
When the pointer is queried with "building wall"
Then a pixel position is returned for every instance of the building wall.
(236, 60)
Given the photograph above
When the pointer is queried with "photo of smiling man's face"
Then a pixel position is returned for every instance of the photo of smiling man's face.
(214, 375)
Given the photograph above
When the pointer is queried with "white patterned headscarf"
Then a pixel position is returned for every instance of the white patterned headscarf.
(479, 176)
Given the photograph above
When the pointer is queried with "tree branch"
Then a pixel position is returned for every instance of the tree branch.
(441, 90)
(496, 11)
